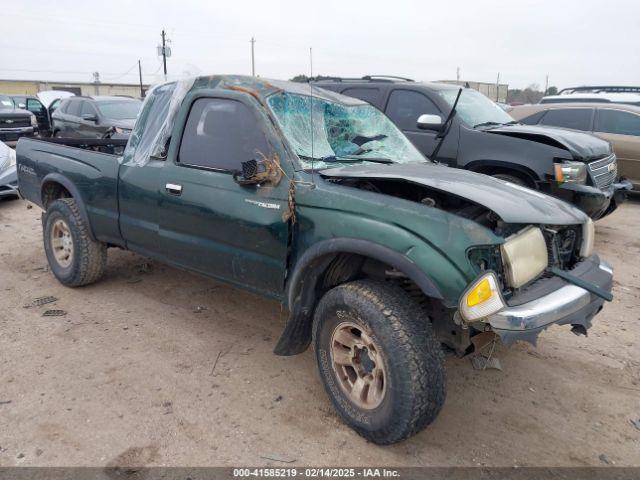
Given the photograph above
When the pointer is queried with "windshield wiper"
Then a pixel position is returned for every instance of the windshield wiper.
(368, 159)
(345, 159)
(487, 124)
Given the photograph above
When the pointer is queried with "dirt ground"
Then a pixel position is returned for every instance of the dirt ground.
(154, 366)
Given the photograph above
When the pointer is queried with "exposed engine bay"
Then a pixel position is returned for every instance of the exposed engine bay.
(562, 241)
(429, 197)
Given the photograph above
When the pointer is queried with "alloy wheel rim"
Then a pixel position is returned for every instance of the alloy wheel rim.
(358, 365)
(62, 243)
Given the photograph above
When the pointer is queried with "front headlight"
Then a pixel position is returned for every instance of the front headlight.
(575, 172)
(34, 120)
(482, 298)
(524, 256)
(588, 237)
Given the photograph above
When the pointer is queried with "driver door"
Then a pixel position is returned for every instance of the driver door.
(209, 222)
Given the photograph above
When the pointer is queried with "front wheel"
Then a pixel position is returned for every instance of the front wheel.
(379, 360)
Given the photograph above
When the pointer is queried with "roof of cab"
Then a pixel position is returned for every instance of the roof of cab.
(261, 88)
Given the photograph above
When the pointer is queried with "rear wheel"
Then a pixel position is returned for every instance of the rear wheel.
(74, 258)
(379, 360)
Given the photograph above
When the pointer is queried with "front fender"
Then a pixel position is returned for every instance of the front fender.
(303, 289)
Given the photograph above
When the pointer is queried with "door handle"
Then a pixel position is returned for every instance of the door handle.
(173, 189)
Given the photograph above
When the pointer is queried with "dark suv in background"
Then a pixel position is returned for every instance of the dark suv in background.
(480, 136)
(15, 122)
(95, 117)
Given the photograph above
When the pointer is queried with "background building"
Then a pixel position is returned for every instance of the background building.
(31, 87)
(497, 93)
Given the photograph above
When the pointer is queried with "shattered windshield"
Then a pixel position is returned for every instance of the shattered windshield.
(339, 133)
(475, 109)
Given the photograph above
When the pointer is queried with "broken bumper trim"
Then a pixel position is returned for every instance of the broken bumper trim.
(569, 305)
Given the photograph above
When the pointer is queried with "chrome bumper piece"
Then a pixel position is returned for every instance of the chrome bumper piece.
(569, 304)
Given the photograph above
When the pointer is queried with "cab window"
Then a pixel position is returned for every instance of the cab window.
(405, 106)
(618, 122)
(221, 134)
(35, 106)
(573, 118)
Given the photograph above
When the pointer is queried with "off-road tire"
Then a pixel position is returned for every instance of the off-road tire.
(412, 357)
(89, 258)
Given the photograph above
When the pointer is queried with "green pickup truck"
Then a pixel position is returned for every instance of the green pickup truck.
(318, 201)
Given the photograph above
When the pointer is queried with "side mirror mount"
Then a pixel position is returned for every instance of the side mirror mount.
(248, 175)
(258, 172)
(428, 121)
(89, 117)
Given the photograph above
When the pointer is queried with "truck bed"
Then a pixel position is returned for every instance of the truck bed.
(91, 176)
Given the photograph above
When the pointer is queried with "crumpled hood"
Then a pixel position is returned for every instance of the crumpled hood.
(581, 146)
(512, 203)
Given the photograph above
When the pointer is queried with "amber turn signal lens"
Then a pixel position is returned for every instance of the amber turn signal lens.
(479, 294)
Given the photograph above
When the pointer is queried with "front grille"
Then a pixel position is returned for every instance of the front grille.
(604, 171)
(15, 122)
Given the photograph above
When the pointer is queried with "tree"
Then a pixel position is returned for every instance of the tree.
(531, 94)
(304, 79)
(552, 91)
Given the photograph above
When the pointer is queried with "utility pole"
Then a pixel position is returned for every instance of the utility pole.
(498, 88)
(546, 84)
(164, 54)
(457, 74)
(96, 82)
(140, 74)
(253, 58)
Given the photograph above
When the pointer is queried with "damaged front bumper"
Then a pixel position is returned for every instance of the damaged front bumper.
(555, 301)
(595, 202)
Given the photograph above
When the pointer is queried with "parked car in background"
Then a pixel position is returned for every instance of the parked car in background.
(52, 98)
(482, 137)
(8, 175)
(604, 97)
(95, 117)
(320, 202)
(35, 106)
(616, 123)
(15, 122)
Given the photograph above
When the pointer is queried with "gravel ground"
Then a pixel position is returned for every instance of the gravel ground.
(154, 366)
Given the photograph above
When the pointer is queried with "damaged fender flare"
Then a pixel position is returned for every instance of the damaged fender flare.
(302, 288)
(73, 190)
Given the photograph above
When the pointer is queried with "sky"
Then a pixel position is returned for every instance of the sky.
(573, 42)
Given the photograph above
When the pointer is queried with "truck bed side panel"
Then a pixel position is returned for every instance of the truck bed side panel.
(91, 174)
